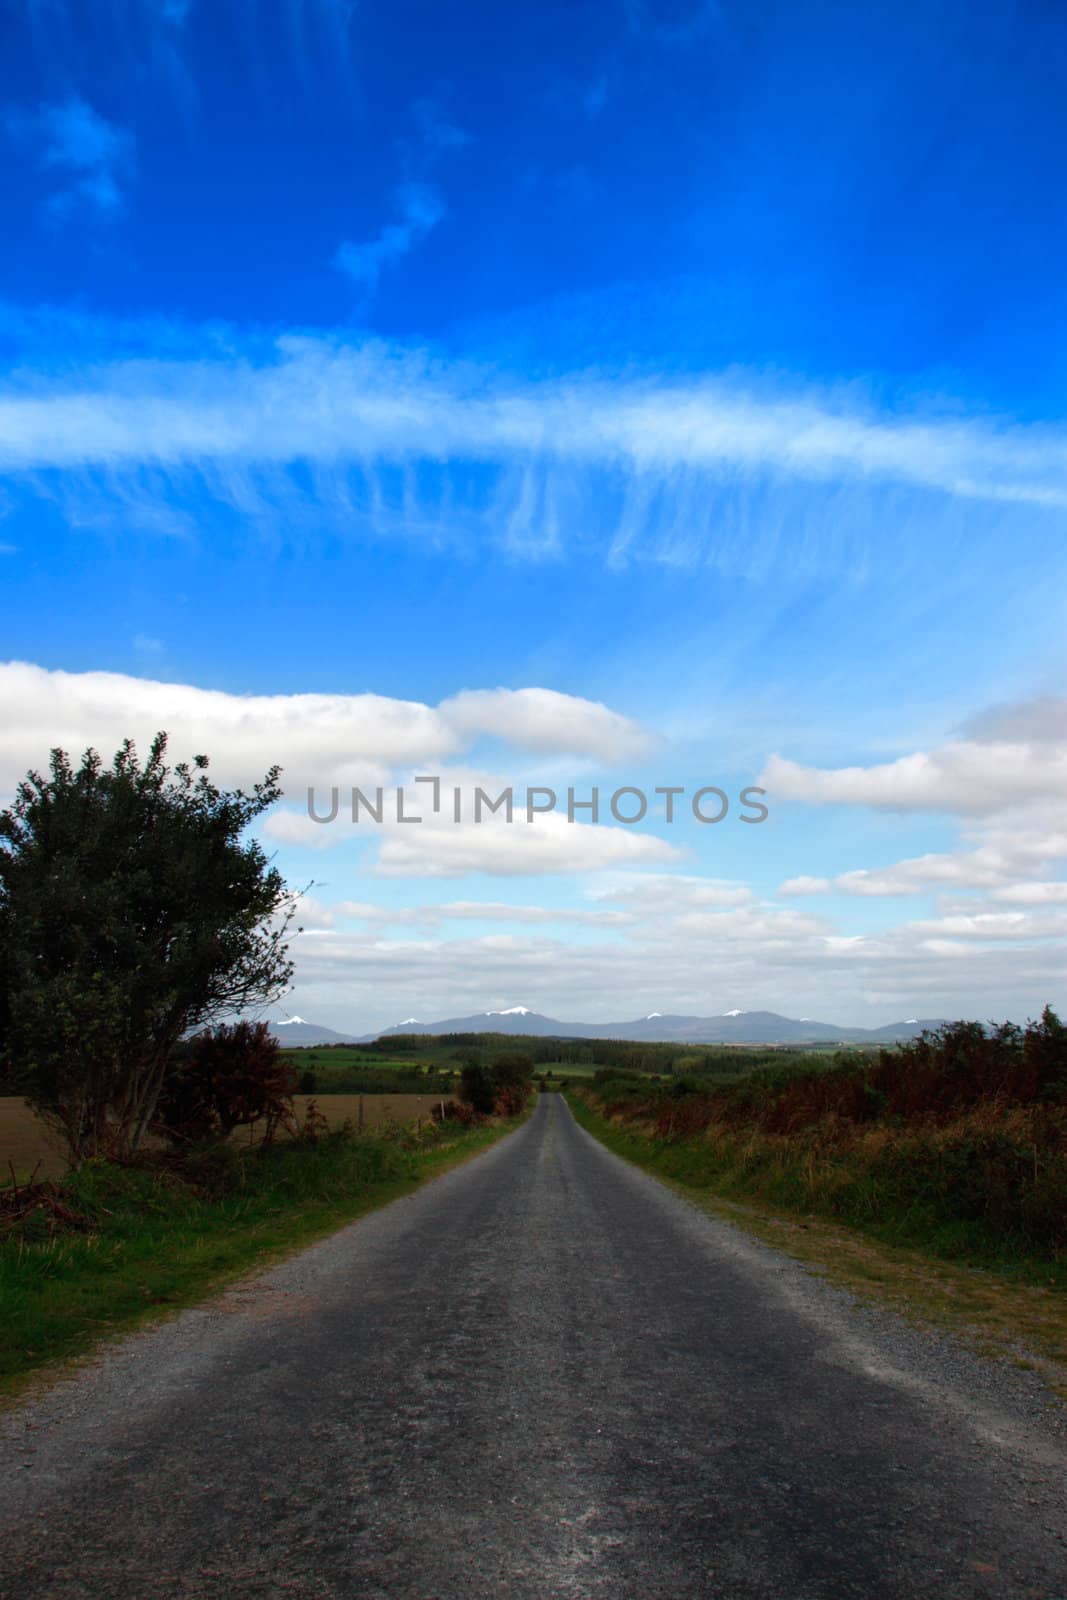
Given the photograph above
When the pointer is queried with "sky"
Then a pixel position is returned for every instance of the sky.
(645, 394)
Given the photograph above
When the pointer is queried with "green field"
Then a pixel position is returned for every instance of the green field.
(409, 1060)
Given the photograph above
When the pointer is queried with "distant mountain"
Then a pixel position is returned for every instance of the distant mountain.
(297, 1031)
(729, 1027)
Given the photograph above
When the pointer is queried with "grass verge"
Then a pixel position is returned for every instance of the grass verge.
(152, 1241)
(1004, 1307)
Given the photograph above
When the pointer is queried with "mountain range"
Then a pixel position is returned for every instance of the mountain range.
(728, 1027)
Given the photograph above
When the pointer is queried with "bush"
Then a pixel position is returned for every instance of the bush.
(477, 1089)
(511, 1077)
(227, 1078)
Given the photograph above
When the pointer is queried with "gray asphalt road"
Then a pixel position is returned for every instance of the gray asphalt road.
(543, 1375)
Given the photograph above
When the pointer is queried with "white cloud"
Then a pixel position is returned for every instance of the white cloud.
(1032, 894)
(1017, 925)
(695, 945)
(477, 911)
(968, 777)
(363, 980)
(321, 739)
(438, 848)
(530, 851)
(335, 405)
(1041, 718)
(544, 720)
(655, 893)
(1005, 857)
(968, 869)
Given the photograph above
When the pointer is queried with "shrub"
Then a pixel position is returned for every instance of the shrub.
(477, 1089)
(228, 1077)
(511, 1077)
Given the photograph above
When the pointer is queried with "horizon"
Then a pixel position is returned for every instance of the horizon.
(620, 397)
(585, 1022)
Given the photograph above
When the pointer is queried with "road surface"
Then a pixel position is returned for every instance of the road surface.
(542, 1375)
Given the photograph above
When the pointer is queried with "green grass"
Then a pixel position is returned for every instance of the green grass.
(153, 1241)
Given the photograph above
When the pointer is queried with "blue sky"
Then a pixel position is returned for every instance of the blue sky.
(695, 362)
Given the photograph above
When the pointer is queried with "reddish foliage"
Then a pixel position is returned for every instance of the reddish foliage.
(231, 1077)
(933, 1080)
(453, 1111)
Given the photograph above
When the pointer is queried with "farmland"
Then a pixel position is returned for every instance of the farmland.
(25, 1142)
(401, 1078)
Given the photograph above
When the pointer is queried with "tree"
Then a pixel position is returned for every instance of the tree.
(511, 1077)
(477, 1089)
(131, 912)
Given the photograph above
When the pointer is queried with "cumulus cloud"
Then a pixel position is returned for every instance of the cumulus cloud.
(548, 844)
(1032, 894)
(920, 874)
(476, 911)
(1013, 758)
(331, 739)
(690, 944)
(1041, 719)
(992, 859)
(542, 720)
(656, 893)
(1015, 925)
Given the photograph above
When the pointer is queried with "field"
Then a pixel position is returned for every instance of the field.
(24, 1141)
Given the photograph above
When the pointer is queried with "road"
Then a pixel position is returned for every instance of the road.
(542, 1375)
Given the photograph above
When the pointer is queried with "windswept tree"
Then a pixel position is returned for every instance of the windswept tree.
(132, 910)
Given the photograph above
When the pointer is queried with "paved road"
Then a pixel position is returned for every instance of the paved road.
(543, 1375)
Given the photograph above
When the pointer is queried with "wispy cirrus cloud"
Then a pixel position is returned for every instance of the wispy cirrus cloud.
(392, 439)
(420, 209)
(418, 205)
(88, 159)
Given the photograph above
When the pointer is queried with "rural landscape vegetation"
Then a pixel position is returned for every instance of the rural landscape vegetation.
(533, 746)
(154, 1147)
